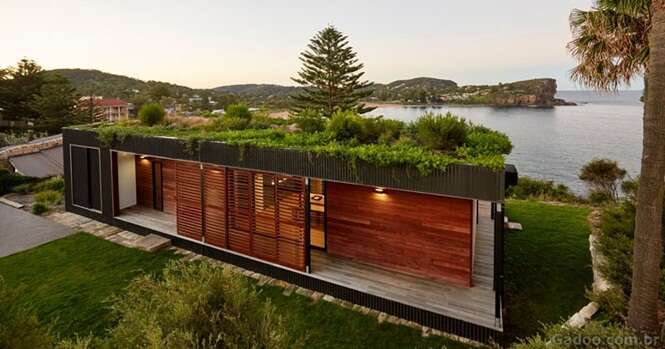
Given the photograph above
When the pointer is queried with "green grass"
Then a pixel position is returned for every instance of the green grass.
(326, 325)
(70, 280)
(547, 265)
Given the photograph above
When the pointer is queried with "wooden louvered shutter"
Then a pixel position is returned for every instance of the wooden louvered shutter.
(214, 196)
(265, 234)
(291, 221)
(240, 207)
(189, 209)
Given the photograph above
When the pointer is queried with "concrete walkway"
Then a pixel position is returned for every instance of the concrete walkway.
(20, 230)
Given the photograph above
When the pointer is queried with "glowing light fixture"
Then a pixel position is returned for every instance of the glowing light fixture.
(143, 156)
(379, 190)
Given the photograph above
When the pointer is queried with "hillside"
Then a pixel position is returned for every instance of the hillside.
(421, 90)
(89, 81)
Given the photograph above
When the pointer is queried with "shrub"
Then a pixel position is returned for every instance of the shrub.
(484, 141)
(309, 120)
(23, 188)
(151, 114)
(227, 123)
(380, 130)
(195, 305)
(39, 208)
(612, 302)
(238, 111)
(10, 180)
(345, 125)
(441, 132)
(592, 336)
(603, 177)
(50, 197)
(600, 197)
(530, 188)
(19, 327)
(53, 183)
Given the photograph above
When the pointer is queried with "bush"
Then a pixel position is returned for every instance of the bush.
(195, 305)
(50, 197)
(594, 335)
(53, 183)
(345, 125)
(238, 111)
(600, 197)
(603, 177)
(439, 132)
(537, 189)
(151, 114)
(484, 141)
(227, 123)
(39, 208)
(10, 180)
(612, 302)
(309, 120)
(19, 327)
(380, 130)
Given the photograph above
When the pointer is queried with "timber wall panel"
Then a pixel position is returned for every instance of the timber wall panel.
(425, 235)
(214, 196)
(143, 182)
(189, 208)
(240, 208)
(169, 190)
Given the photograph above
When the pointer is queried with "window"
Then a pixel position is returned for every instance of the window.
(86, 181)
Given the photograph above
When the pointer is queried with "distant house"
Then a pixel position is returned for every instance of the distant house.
(106, 109)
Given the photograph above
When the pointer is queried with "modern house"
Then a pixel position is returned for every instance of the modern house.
(426, 248)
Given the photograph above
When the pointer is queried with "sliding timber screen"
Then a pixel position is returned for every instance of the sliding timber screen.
(214, 205)
(189, 207)
(257, 214)
(266, 216)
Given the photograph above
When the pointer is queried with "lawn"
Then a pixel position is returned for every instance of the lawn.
(70, 280)
(547, 265)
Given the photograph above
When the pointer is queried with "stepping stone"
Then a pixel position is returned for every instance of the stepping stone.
(514, 226)
(11, 203)
(152, 243)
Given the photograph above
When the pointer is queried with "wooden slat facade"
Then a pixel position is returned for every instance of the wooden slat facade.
(425, 235)
(214, 202)
(189, 206)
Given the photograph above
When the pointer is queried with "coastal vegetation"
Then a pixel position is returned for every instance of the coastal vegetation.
(615, 42)
(346, 135)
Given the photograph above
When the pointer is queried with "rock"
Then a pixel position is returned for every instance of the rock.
(382, 317)
(329, 298)
(514, 226)
(583, 316)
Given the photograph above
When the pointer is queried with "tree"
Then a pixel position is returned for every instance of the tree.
(56, 105)
(158, 91)
(18, 85)
(603, 176)
(331, 75)
(614, 42)
(151, 114)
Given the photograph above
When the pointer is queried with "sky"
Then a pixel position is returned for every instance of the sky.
(204, 44)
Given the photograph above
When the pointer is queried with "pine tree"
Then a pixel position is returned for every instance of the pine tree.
(331, 75)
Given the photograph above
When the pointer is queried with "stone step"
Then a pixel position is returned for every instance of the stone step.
(11, 203)
(152, 243)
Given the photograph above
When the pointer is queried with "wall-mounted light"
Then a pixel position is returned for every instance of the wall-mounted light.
(379, 190)
(143, 157)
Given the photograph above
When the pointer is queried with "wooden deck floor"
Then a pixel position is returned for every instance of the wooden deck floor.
(149, 218)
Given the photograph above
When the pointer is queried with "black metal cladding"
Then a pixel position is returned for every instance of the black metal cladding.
(458, 180)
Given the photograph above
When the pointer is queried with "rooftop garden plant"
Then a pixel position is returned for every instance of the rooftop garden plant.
(433, 142)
